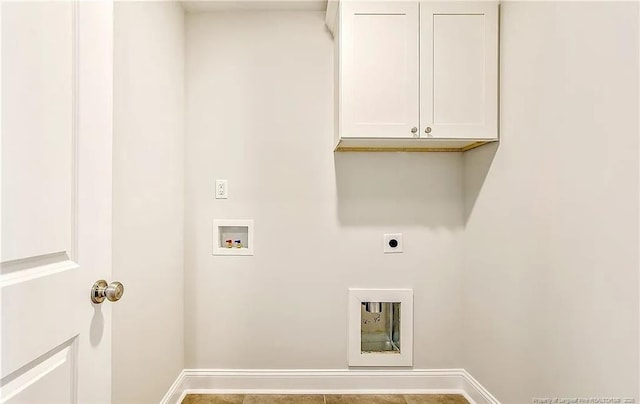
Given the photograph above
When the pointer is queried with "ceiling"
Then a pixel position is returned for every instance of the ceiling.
(196, 6)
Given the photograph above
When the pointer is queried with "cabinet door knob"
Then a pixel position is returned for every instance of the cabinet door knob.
(427, 129)
(414, 130)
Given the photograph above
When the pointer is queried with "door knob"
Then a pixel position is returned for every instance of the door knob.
(100, 290)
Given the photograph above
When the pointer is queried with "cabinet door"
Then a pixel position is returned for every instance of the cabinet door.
(459, 70)
(379, 69)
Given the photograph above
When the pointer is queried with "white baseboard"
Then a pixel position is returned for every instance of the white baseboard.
(418, 381)
(476, 391)
(176, 393)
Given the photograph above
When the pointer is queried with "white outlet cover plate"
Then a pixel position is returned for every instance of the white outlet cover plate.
(222, 190)
(387, 248)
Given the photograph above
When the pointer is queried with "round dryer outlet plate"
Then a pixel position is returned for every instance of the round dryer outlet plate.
(392, 243)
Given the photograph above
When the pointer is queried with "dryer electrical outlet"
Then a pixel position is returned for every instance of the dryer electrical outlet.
(392, 243)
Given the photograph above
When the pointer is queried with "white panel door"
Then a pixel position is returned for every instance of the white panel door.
(56, 102)
(459, 70)
(379, 69)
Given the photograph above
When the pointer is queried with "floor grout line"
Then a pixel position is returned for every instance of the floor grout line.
(436, 398)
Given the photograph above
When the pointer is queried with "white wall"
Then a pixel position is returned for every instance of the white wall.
(148, 192)
(260, 114)
(541, 301)
(551, 238)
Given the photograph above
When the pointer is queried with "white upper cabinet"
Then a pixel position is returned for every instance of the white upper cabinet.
(380, 93)
(415, 75)
(459, 70)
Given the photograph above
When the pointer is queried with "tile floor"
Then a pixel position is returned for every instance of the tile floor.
(324, 399)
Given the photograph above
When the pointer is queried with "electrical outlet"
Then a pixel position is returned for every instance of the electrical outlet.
(392, 243)
(221, 189)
